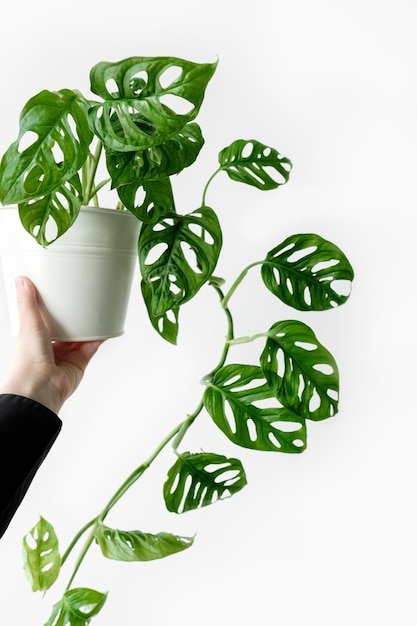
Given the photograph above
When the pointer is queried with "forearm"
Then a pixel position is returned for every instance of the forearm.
(27, 432)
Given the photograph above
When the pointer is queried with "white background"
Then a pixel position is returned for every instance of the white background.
(327, 537)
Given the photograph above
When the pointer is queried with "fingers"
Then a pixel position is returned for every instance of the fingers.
(79, 353)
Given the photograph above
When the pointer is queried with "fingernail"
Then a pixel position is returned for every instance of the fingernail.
(20, 282)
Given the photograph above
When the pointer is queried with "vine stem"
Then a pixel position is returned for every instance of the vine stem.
(177, 434)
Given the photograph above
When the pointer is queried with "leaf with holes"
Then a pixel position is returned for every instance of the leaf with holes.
(177, 256)
(76, 607)
(53, 143)
(146, 100)
(302, 373)
(156, 162)
(308, 273)
(244, 407)
(49, 217)
(254, 163)
(148, 200)
(166, 324)
(197, 480)
(134, 545)
(42, 561)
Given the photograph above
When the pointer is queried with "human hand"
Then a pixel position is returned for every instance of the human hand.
(45, 371)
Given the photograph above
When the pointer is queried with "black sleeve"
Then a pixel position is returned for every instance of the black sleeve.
(27, 432)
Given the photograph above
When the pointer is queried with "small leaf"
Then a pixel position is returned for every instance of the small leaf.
(76, 607)
(197, 480)
(49, 217)
(166, 324)
(244, 407)
(254, 163)
(42, 561)
(147, 100)
(302, 373)
(134, 545)
(177, 255)
(148, 200)
(156, 162)
(55, 127)
(308, 273)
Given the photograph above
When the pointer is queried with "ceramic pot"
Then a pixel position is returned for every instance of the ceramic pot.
(84, 278)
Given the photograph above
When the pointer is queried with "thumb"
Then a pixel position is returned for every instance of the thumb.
(30, 318)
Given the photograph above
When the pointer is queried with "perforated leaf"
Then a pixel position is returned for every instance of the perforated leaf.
(302, 373)
(254, 163)
(197, 480)
(177, 255)
(52, 145)
(166, 323)
(134, 545)
(49, 217)
(244, 407)
(308, 273)
(156, 162)
(42, 560)
(148, 200)
(77, 607)
(146, 100)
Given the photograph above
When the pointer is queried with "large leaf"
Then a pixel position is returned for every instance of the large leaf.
(254, 163)
(148, 200)
(146, 100)
(308, 273)
(302, 373)
(197, 480)
(49, 217)
(166, 323)
(133, 545)
(177, 256)
(42, 560)
(244, 407)
(52, 145)
(76, 607)
(156, 162)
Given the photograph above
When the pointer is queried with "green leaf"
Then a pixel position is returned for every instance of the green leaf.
(177, 256)
(42, 561)
(308, 273)
(148, 200)
(166, 324)
(244, 407)
(302, 373)
(146, 99)
(77, 607)
(49, 217)
(133, 545)
(254, 163)
(197, 480)
(52, 145)
(156, 162)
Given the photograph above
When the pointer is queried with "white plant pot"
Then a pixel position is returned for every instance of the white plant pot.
(83, 279)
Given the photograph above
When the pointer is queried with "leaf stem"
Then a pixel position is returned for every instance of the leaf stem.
(76, 539)
(82, 554)
(203, 202)
(237, 282)
(89, 175)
